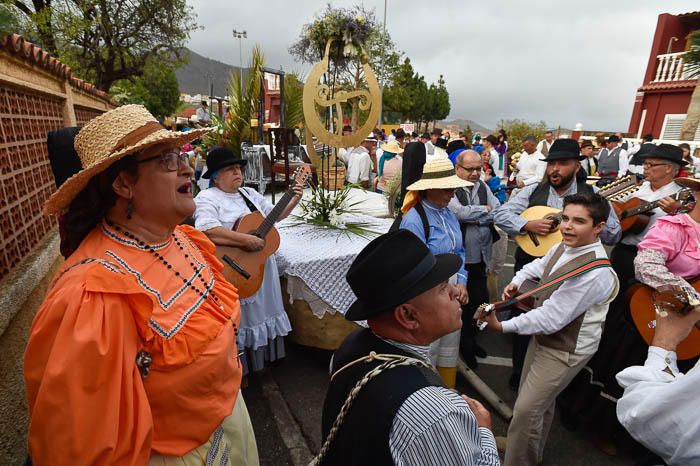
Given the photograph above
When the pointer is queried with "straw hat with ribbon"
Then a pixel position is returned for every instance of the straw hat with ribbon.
(392, 147)
(439, 173)
(109, 137)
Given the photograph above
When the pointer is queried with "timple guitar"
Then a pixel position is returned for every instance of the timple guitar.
(538, 245)
(247, 269)
(519, 305)
(631, 212)
(646, 305)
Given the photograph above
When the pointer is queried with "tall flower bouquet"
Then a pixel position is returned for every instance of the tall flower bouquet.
(329, 210)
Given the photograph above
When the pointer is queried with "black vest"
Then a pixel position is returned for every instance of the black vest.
(363, 438)
(540, 195)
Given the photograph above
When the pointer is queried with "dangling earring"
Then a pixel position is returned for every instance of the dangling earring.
(129, 209)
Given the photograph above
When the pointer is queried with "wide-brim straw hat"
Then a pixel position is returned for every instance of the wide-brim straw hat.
(439, 173)
(392, 147)
(108, 138)
(692, 183)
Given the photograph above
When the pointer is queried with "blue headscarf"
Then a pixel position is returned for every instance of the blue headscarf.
(212, 178)
(385, 156)
(454, 154)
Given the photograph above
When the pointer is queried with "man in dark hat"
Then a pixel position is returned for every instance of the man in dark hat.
(613, 160)
(588, 164)
(637, 154)
(563, 162)
(490, 143)
(203, 113)
(435, 134)
(400, 411)
(424, 138)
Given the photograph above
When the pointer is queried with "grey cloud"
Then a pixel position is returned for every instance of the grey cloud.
(560, 61)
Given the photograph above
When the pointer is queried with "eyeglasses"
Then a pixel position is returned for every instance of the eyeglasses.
(170, 160)
(652, 165)
(470, 169)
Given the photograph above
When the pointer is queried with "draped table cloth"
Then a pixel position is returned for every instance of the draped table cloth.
(315, 261)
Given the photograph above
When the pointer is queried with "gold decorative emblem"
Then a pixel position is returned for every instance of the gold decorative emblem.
(321, 95)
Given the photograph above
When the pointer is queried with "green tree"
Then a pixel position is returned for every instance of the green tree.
(441, 104)
(518, 129)
(9, 22)
(692, 59)
(105, 41)
(157, 89)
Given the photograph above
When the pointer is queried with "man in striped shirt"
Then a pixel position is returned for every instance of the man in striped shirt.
(399, 410)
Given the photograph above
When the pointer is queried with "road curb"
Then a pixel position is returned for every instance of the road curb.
(286, 424)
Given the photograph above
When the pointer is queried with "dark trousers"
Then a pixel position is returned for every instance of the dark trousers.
(520, 342)
(478, 294)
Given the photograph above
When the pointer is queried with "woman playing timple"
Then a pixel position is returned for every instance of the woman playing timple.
(132, 357)
(264, 322)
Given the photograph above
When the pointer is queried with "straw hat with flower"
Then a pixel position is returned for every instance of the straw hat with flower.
(108, 138)
(439, 173)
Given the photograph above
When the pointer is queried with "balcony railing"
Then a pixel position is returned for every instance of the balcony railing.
(671, 67)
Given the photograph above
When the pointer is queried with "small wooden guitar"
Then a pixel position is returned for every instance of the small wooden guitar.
(539, 245)
(519, 306)
(247, 269)
(634, 214)
(646, 305)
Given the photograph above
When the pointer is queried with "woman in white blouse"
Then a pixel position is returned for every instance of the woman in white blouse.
(264, 322)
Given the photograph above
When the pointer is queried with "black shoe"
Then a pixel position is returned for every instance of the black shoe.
(514, 382)
(479, 352)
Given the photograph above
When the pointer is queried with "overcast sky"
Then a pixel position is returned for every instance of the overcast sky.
(563, 62)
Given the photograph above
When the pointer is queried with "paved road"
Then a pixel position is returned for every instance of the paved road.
(302, 378)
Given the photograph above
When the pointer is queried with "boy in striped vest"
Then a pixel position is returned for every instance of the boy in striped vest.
(567, 321)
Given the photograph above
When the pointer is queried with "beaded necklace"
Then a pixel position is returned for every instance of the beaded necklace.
(206, 294)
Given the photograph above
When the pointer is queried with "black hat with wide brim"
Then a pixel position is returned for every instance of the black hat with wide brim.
(666, 152)
(391, 270)
(220, 157)
(563, 149)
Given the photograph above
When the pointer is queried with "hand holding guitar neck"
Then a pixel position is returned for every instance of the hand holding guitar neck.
(541, 226)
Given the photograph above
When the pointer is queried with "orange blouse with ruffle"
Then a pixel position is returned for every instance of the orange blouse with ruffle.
(112, 299)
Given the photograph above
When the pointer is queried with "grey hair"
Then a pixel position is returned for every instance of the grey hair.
(675, 169)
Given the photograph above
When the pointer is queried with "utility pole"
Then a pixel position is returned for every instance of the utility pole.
(381, 77)
(240, 35)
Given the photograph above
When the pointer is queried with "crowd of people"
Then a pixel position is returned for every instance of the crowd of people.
(138, 353)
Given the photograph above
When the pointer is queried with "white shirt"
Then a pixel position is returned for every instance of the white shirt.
(540, 145)
(592, 292)
(438, 152)
(645, 193)
(359, 165)
(202, 115)
(217, 208)
(343, 154)
(531, 168)
(660, 409)
(429, 148)
(494, 161)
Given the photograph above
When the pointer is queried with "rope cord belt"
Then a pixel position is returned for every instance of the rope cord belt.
(390, 361)
(592, 265)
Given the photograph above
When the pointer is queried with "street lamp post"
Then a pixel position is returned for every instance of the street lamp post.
(381, 77)
(240, 35)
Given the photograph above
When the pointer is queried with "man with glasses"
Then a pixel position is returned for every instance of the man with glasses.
(473, 206)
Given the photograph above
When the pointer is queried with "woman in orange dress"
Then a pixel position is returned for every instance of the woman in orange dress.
(132, 357)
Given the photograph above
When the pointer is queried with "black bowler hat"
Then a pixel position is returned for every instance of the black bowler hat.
(564, 149)
(666, 152)
(391, 270)
(425, 136)
(62, 155)
(454, 145)
(220, 157)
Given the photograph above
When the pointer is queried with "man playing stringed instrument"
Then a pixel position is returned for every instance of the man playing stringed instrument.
(567, 321)
(657, 397)
(264, 322)
(563, 162)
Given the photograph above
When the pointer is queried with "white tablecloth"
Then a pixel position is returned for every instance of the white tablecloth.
(321, 258)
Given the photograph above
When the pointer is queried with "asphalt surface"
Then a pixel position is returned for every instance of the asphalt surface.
(302, 379)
